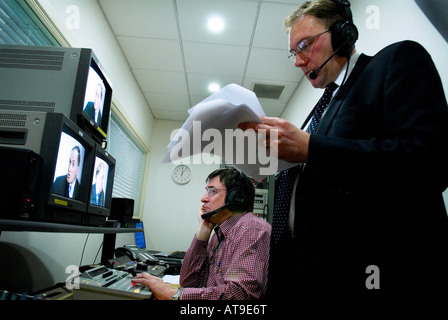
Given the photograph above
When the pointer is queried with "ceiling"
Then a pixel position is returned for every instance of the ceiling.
(174, 57)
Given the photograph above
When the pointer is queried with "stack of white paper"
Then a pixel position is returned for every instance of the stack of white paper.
(212, 127)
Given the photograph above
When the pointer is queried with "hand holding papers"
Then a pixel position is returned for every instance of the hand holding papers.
(212, 127)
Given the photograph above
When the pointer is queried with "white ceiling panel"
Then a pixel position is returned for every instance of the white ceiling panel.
(270, 32)
(161, 81)
(239, 19)
(198, 83)
(157, 54)
(272, 64)
(174, 57)
(215, 59)
(169, 101)
(142, 18)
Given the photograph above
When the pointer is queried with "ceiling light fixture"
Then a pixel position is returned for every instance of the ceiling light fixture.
(215, 24)
(213, 87)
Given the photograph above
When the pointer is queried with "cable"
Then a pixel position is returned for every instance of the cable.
(98, 252)
(82, 254)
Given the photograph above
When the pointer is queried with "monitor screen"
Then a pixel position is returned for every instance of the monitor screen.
(101, 183)
(68, 156)
(69, 167)
(140, 236)
(94, 97)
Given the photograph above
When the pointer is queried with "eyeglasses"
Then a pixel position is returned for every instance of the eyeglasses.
(303, 45)
(212, 191)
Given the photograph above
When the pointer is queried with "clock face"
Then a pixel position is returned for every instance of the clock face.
(181, 174)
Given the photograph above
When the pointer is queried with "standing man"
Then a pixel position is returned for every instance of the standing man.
(363, 211)
(231, 264)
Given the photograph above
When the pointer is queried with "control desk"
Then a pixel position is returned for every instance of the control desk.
(101, 281)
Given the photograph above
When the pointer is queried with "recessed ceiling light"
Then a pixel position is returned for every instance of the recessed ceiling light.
(213, 87)
(215, 24)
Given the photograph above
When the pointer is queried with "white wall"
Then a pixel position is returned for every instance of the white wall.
(171, 210)
(380, 23)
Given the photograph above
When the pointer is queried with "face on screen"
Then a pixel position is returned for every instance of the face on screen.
(73, 165)
(99, 182)
(67, 176)
(94, 96)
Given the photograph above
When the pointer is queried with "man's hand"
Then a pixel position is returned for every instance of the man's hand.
(204, 228)
(160, 290)
(291, 143)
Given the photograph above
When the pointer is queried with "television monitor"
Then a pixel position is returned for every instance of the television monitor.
(59, 80)
(93, 97)
(68, 159)
(101, 183)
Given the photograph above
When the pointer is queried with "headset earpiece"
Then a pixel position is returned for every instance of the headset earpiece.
(344, 32)
(235, 198)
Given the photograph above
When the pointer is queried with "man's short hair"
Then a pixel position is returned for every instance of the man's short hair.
(325, 11)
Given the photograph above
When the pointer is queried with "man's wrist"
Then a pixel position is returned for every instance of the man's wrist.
(177, 294)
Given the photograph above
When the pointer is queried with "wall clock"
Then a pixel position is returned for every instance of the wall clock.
(181, 174)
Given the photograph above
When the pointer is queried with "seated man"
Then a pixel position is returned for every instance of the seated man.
(233, 263)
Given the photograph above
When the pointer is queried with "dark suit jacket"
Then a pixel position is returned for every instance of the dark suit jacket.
(370, 194)
(93, 199)
(90, 110)
(60, 186)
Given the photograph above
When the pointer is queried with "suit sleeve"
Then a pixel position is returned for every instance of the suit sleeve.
(407, 144)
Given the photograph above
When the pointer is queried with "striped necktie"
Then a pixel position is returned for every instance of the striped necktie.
(321, 106)
(287, 177)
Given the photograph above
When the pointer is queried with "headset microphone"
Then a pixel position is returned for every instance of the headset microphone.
(212, 213)
(313, 74)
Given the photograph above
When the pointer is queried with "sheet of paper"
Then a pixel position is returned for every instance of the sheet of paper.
(212, 127)
(171, 279)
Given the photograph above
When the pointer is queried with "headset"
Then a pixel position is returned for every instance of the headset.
(343, 32)
(343, 36)
(235, 197)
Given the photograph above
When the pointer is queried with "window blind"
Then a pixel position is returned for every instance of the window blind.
(131, 161)
(19, 25)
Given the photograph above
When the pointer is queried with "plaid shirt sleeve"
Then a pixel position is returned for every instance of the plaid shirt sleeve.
(238, 269)
(194, 271)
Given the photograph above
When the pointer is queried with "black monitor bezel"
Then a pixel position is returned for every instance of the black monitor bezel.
(54, 126)
(83, 119)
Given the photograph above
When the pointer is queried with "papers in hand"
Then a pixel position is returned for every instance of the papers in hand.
(212, 127)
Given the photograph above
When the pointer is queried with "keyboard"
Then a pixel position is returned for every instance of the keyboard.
(177, 254)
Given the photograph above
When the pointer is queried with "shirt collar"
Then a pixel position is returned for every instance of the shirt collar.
(228, 225)
(353, 59)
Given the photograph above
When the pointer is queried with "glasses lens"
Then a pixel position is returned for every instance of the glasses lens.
(302, 45)
(211, 191)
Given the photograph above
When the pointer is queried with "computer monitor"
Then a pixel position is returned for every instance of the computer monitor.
(59, 80)
(140, 236)
(101, 183)
(68, 159)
